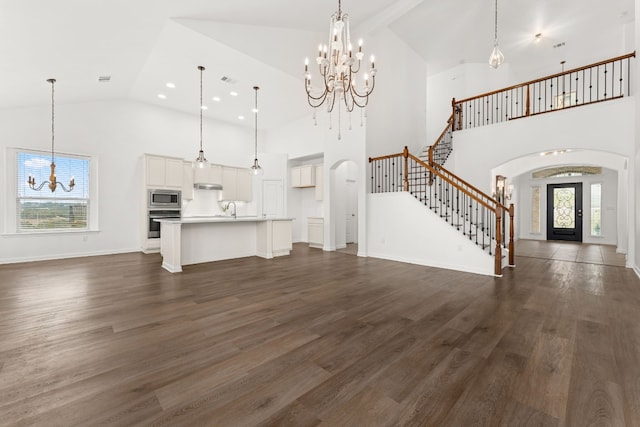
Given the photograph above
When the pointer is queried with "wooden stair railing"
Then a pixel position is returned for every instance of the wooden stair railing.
(602, 81)
(472, 212)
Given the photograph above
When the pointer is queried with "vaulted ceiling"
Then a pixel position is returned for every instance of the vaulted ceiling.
(144, 44)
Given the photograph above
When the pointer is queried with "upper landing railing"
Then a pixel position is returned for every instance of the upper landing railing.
(602, 81)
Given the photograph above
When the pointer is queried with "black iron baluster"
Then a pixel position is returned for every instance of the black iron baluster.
(605, 81)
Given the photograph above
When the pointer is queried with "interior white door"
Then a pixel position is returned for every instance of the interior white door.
(273, 198)
(352, 212)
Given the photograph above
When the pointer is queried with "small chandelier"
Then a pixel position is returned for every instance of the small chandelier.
(496, 57)
(338, 66)
(256, 169)
(201, 161)
(53, 183)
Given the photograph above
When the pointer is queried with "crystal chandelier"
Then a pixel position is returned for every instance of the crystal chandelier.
(338, 67)
(496, 57)
(201, 161)
(53, 183)
(255, 168)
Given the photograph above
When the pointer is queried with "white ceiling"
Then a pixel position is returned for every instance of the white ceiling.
(143, 44)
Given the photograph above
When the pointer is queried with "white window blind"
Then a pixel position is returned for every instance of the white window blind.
(45, 210)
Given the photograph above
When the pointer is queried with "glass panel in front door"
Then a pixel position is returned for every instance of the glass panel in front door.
(564, 205)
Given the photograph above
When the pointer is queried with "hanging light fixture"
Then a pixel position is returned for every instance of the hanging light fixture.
(256, 169)
(338, 66)
(53, 183)
(201, 161)
(496, 57)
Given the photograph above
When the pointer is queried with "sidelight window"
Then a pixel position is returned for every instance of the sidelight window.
(596, 209)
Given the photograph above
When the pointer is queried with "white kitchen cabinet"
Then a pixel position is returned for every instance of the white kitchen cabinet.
(303, 176)
(211, 174)
(244, 184)
(163, 172)
(282, 237)
(187, 181)
(319, 182)
(236, 184)
(273, 238)
(315, 232)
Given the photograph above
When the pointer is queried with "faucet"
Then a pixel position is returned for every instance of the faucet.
(234, 208)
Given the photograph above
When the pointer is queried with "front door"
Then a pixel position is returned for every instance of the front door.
(564, 212)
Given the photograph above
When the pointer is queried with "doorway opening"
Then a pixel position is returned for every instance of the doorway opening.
(344, 207)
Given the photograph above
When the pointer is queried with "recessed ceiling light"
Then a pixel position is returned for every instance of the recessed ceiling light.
(240, 117)
(204, 107)
(162, 96)
(254, 110)
(232, 93)
(171, 85)
(216, 98)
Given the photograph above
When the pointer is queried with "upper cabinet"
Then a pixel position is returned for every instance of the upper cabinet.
(187, 181)
(211, 174)
(303, 176)
(236, 184)
(163, 172)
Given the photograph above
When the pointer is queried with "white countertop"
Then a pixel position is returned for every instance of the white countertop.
(217, 219)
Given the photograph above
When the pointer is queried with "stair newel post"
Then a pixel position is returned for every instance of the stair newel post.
(498, 255)
(528, 106)
(512, 254)
(405, 154)
(453, 114)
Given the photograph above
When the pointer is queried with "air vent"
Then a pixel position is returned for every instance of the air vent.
(228, 79)
(555, 46)
(104, 79)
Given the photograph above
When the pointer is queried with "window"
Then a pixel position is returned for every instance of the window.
(535, 209)
(596, 209)
(45, 210)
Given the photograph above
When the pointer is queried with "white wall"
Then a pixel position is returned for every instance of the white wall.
(397, 108)
(116, 133)
(600, 135)
(635, 160)
(609, 205)
(463, 81)
(400, 228)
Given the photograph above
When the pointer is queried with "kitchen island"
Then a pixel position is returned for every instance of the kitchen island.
(195, 240)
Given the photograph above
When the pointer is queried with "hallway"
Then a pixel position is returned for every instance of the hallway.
(570, 251)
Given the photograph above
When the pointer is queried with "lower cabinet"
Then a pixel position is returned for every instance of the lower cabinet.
(274, 238)
(315, 232)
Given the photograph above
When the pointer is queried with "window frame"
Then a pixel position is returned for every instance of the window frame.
(12, 194)
(591, 184)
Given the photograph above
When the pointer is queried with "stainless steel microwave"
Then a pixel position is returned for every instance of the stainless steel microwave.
(164, 199)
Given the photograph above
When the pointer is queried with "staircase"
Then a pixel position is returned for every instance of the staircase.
(478, 216)
(467, 209)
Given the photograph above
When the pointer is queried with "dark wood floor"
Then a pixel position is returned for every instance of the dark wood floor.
(317, 338)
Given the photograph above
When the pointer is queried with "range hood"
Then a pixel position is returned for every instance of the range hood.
(206, 186)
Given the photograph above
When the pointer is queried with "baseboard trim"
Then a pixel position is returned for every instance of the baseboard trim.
(66, 256)
(637, 271)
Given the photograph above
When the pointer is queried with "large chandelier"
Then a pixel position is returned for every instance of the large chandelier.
(496, 57)
(338, 66)
(53, 183)
(201, 161)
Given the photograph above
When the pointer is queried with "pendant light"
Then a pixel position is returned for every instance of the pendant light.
(256, 169)
(496, 57)
(53, 183)
(201, 161)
